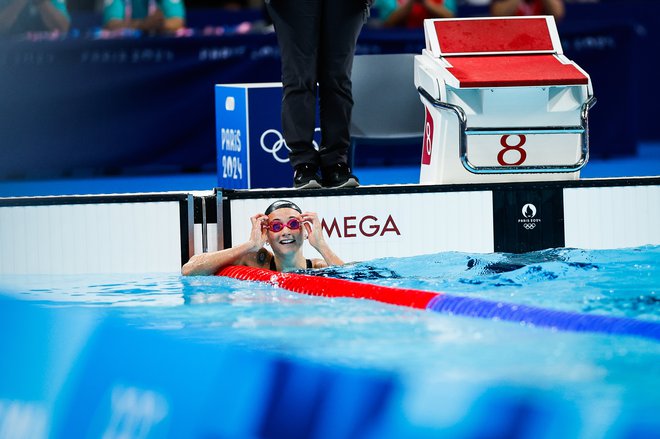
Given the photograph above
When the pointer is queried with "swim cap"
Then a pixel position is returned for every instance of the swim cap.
(282, 204)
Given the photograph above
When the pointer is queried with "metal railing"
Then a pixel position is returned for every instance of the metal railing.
(464, 132)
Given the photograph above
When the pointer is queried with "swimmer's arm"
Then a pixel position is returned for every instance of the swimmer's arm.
(210, 263)
(329, 257)
(249, 253)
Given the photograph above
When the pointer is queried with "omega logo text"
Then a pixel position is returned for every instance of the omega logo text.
(367, 226)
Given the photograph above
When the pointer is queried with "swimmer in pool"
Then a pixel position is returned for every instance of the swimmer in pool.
(284, 227)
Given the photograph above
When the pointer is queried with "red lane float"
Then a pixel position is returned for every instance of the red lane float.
(331, 287)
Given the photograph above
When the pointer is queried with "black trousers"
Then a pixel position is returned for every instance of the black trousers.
(317, 42)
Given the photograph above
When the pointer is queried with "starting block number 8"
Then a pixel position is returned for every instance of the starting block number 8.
(518, 148)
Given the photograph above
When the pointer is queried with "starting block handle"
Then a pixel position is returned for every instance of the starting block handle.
(583, 130)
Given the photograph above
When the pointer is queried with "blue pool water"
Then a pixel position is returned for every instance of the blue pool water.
(444, 362)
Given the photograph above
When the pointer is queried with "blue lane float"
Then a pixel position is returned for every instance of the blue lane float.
(549, 318)
(446, 303)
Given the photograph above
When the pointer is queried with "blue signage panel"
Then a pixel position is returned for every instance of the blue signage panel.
(231, 136)
(269, 154)
(251, 149)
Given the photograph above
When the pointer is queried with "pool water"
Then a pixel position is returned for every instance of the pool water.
(444, 362)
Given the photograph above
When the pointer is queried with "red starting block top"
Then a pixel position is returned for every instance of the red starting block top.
(502, 52)
(475, 36)
(513, 71)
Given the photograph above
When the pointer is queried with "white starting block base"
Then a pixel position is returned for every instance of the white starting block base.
(441, 162)
(503, 104)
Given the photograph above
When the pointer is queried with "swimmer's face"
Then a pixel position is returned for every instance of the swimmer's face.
(285, 230)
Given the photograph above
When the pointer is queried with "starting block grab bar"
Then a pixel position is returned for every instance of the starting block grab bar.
(464, 132)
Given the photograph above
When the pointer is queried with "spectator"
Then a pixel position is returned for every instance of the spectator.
(18, 16)
(412, 13)
(165, 16)
(528, 7)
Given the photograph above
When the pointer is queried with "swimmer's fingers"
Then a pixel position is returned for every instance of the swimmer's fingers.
(259, 220)
(313, 227)
(310, 217)
(258, 233)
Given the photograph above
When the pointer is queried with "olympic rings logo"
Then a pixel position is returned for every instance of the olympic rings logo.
(276, 146)
(272, 143)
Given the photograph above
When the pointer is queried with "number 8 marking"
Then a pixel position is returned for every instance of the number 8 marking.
(506, 147)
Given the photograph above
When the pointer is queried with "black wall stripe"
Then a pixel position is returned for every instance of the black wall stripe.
(226, 219)
(526, 220)
(211, 209)
(185, 237)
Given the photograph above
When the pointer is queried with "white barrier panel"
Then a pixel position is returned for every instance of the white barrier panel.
(211, 236)
(74, 235)
(154, 232)
(368, 226)
(398, 221)
(612, 217)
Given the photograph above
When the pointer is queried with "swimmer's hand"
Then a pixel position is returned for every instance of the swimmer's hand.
(314, 231)
(258, 234)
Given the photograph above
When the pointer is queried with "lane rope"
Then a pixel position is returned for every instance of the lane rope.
(447, 303)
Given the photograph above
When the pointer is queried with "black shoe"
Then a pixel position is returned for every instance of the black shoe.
(339, 175)
(306, 177)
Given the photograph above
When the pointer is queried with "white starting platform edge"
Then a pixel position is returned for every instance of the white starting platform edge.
(502, 102)
(148, 233)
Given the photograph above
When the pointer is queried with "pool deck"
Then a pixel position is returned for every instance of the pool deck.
(645, 163)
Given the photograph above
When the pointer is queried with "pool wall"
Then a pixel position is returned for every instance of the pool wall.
(159, 232)
(96, 234)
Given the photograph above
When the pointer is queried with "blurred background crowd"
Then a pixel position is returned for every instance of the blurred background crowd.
(109, 87)
(169, 16)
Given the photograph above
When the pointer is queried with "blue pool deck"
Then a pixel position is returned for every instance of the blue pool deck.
(645, 163)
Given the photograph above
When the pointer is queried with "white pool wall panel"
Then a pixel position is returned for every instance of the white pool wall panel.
(612, 217)
(372, 226)
(90, 238)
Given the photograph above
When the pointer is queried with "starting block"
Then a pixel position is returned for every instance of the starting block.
(502, 102)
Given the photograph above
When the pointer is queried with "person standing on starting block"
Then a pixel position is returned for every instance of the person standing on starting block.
(284, 227)
(317, 41)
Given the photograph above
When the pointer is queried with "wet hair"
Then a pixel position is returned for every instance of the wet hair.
(282, 204)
